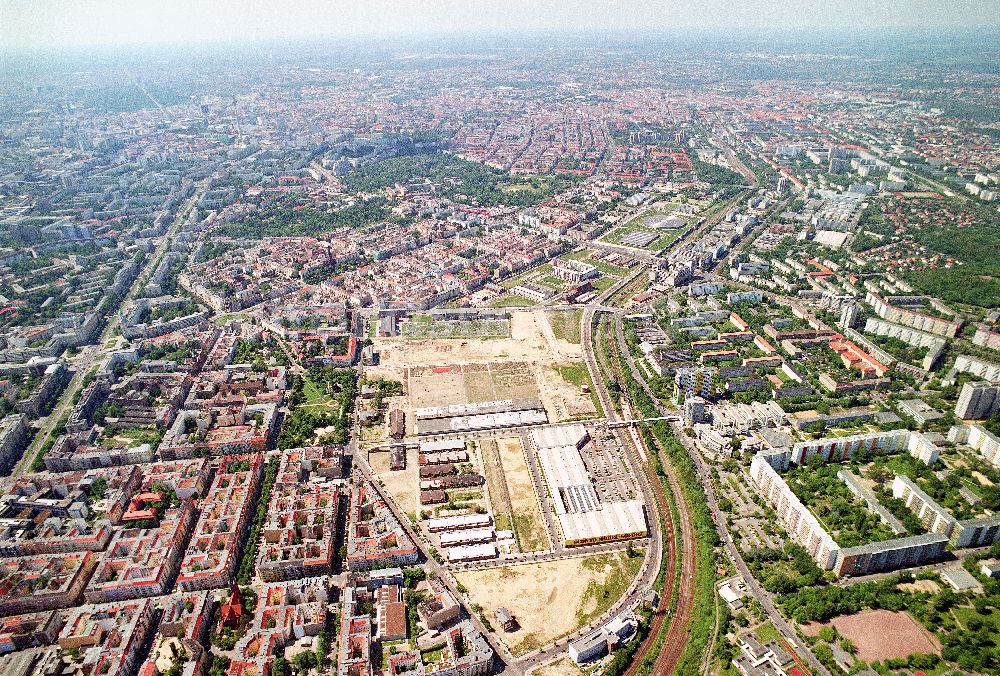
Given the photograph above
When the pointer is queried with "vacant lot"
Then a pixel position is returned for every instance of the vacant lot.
(482, 329)
(527, 343)
(562, 393)
(881, 634)
(447, 371)
(564, 666)
(546, 598)
(528, 525)
(496, 485)
(566, 325)
(512, 300)
(403, 485)
(460, 384)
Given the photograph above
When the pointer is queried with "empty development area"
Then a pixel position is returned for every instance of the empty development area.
(553, 598)
(527, 342)
(540, 359)
(512, 494)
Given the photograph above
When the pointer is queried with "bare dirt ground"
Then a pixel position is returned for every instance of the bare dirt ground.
(464, 383)
(438, 387)
(442, 372)
(881, 634)
(982, 479)
(528, 524)
(403, 485)
(563, 666)
(527, 343)
(543, 597)
(563, 400)
(385, 372)
(929, 586)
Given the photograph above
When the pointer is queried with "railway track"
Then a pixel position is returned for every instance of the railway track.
(670, 576)
(678, 630)
(680, 625)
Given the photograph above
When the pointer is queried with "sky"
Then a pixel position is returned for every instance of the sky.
(74, 23)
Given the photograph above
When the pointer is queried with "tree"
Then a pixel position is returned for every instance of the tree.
(322, 647)
(279, 667)
(304, 661)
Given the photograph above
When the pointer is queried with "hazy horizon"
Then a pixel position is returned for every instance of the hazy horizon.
(33, 25)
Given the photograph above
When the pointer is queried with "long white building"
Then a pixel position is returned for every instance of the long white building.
(583, 517)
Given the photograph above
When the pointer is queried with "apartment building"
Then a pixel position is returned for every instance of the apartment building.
(298, 534)
(44, 582)
(375, 537)
(694, 382)
(226, 510)
(978, 401)
(965, 533)
(803, 527)
(979, 439)
(110, 637)
(835, 449)
(287, 611)
(13, 438)
(143, 562)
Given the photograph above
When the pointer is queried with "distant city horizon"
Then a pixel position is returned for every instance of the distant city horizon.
(118, 23)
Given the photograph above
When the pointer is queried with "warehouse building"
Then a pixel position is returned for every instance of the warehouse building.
(479, 416)
(584, 518)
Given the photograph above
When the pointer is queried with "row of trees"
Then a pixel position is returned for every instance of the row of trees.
(706, 537)
(248, 561)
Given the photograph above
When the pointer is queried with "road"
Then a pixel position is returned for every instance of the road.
(90, 355)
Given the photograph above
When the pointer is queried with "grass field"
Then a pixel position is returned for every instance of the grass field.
(529, 530)
(554, 282)
(577, 373)
(619, 569)
(766, 632)
(606, 268)
(222, 320)
(566, 325)
(478, 329)
(665, 236)
(604, 283)
(496, 485)
(529, 533)
(315, 396)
